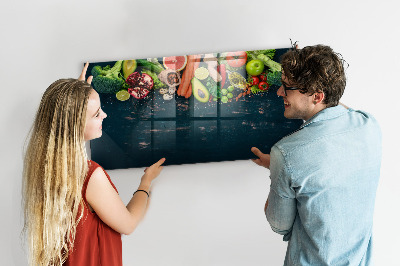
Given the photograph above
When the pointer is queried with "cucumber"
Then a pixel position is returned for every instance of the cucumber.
(149, 65)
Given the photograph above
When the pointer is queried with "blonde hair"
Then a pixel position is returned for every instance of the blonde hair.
(55, 167)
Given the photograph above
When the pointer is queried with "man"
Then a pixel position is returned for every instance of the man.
(324, 175)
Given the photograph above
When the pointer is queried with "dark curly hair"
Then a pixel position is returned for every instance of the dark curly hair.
(316, 69)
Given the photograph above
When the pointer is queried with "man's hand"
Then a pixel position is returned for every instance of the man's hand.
(264, 159)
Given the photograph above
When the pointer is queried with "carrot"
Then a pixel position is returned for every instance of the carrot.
(189, 91)
(183, 80)
(189, 67)
(196, 63)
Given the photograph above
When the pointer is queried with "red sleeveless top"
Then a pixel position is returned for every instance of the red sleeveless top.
(95, 242)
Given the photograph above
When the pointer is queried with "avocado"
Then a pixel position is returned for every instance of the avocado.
(200, 92)
(128, 67)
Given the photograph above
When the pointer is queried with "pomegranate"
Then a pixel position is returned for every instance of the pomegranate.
(147, 81)
(138, 92)
(140, 85)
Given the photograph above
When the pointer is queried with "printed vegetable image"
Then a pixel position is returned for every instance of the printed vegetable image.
(273, 66)
(137, 80)
(266, 57)
(236, 59)
(275, 78)
(255, 80)
(185, 88)
(122, 95)
(209, 78)
(139, 84)
(201, 73)
(189, 108)
(176, 63)
(128, 67)
(237, 80)
(263, 76)
(138, 92)
(222, 71)
(212, 63)
(200, 92)
(263, 86)
(158, 84)
(156, 68)
(255, 67)
(108, 79)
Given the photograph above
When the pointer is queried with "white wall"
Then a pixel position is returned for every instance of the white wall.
(205, 214)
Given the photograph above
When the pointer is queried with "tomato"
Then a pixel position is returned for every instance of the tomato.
(263, 77)
(236, 59)
(255, 80)
(263, 86)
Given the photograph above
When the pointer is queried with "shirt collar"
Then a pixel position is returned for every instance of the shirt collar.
(326, 114)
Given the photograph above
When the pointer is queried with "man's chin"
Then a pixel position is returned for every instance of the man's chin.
(288, 115)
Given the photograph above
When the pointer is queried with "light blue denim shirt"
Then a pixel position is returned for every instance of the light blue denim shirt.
(324, 178)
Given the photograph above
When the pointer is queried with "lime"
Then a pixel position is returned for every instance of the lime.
(231, 88)
(229, 95)
(224, 91)
(224, 99)
(201, 73)
(123, 95)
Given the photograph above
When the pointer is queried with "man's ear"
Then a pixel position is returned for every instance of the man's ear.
(318, 97)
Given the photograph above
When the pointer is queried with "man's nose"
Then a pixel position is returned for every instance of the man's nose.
(280, 92)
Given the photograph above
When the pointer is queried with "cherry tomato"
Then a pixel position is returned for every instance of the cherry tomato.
(263, 76)
(255, 80)
(236, 59)
(263, 86)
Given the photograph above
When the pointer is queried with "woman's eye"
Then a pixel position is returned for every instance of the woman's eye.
(97, 115)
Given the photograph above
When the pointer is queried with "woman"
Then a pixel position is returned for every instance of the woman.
(73, 213)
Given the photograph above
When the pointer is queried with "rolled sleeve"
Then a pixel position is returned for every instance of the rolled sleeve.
(281, 210)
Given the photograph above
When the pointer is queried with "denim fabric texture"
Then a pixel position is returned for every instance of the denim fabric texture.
(324, 178)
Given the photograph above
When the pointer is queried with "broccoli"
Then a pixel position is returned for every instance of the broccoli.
(108, 79)
(274, 78)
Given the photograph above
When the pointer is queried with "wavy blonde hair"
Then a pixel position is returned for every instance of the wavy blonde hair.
(55, 167)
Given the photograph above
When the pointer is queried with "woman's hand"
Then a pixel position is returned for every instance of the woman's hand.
(150, 173)
(83, 74)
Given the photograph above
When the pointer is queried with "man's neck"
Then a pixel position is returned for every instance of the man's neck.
(318, 108)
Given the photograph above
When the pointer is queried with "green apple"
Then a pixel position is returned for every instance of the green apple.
(255, 67)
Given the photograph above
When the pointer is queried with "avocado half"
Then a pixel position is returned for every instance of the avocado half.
(128, 67)
(199, 91)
